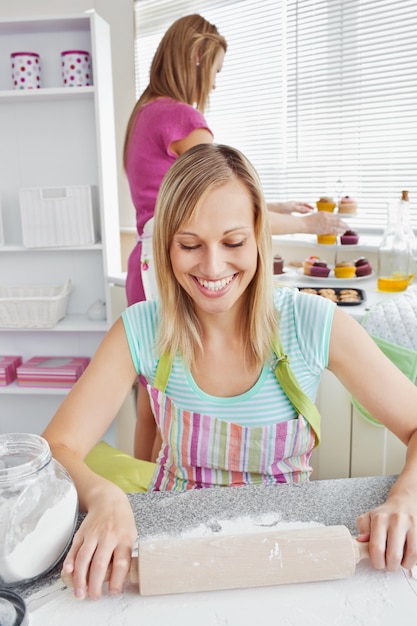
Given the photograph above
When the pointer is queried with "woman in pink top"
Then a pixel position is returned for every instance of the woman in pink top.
(168, 119)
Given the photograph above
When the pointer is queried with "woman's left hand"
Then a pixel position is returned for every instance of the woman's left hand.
(391, 530)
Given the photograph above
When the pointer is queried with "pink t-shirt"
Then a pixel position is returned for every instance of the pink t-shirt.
(158, 124)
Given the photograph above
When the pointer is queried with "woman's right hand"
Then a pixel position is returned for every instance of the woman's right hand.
(105, 537)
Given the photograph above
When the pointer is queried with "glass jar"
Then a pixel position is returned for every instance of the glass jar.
(38, 508)
(394, 251)
(412, 242)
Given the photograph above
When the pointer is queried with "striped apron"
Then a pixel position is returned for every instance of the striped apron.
(200, 450)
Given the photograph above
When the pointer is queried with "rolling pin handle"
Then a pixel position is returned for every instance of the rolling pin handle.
(361, 549)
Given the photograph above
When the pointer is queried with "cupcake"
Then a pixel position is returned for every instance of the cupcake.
(278, 264)
(348, 205)
(362, 267)
(345, 269)
(349, 238)
(319, 269)
(326, 239)
(325, 203)
(307, 264)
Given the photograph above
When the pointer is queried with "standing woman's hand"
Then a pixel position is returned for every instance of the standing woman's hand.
(291, 206)
(324, 223)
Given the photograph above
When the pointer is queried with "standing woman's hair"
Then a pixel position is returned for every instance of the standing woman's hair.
(195, 174)
(182, 66)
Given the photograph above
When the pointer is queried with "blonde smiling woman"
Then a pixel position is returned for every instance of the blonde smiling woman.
(232, 366)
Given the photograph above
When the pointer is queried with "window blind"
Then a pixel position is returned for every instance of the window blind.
(319, 94)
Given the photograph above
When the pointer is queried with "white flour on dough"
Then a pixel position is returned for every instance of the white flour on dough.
(243, 524)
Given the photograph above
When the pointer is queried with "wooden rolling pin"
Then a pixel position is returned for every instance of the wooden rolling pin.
(265, 557)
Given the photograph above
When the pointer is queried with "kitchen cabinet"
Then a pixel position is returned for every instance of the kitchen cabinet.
(375, 450)
(56, 136)
(351, 446)
(332, 458)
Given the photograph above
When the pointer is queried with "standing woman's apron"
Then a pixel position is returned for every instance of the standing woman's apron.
(199, 450)
(147, 265)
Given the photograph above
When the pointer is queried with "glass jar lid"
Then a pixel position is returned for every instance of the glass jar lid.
(22, 454)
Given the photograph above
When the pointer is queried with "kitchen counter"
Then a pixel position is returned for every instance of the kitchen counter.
(370, 597)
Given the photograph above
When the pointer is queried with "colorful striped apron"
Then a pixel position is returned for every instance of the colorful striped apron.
(200, 450)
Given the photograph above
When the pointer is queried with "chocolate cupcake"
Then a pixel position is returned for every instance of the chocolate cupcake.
(349, 238)
(362, 267)
(320, 269)
(278, 264)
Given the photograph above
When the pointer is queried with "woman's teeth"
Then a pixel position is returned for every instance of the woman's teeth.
(215, 285)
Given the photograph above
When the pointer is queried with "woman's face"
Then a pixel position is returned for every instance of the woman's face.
(217, 67)
(214, 256)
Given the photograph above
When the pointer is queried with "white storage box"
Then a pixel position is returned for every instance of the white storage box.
(58, 216)
(33, 307)
(1, 226)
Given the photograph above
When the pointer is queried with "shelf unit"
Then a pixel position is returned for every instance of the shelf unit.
(56, 137)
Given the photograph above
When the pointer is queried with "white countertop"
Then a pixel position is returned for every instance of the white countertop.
(117, 279)
(368, 598)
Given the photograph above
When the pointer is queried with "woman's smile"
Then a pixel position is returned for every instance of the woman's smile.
(215, 287)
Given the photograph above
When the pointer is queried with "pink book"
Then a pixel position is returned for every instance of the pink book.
(51, 371)
(8, 365)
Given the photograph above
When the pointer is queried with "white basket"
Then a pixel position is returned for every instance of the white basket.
(33, 307)
(58, 216)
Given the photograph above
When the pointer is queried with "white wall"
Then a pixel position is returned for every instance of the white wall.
(119, 15)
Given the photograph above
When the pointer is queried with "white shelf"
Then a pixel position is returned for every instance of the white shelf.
(97, 247)
(46, 94)
(15, 390)
(70, 324)
(45, 24)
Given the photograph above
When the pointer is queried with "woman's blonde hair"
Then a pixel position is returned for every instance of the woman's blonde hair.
(195, 174)
(182, 66)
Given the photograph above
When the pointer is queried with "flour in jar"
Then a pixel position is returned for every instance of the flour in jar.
(33, 543)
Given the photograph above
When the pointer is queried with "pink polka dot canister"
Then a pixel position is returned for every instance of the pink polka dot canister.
(76, 68)
(26, 70)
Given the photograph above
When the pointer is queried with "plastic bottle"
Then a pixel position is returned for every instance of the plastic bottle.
(394, 250)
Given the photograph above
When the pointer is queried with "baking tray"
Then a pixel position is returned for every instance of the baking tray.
(340, 294)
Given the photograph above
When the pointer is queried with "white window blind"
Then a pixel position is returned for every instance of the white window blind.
(313, 91)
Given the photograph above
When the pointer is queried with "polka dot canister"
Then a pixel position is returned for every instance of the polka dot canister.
(76, 68)
(26, 70)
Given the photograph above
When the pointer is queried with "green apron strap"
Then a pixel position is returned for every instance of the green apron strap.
(289, 383)
(162, 372)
